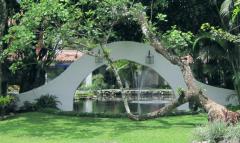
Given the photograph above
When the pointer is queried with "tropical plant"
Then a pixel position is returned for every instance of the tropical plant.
(230, 10)
(47, 101)
(97, 83)
(127, 70)
(225, 48)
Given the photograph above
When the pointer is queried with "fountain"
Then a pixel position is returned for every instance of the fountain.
(139, 83)
(141, 99)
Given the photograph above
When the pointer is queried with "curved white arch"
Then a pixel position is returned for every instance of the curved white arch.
(64, 86)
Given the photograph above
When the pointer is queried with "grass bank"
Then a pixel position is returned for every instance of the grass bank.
(46, 128)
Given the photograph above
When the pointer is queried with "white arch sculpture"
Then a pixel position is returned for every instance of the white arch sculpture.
(65, 85)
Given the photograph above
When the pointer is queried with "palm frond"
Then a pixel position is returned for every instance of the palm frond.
(216, 48)
(226, 7)
(203, 36)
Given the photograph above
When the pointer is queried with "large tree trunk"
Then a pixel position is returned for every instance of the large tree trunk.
(192, 93)
(3, 22)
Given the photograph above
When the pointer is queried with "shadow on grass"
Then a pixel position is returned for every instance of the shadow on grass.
(52, 126)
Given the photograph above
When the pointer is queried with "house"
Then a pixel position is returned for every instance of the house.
(63, 59)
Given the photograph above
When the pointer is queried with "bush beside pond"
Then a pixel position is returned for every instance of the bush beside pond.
(45, 101)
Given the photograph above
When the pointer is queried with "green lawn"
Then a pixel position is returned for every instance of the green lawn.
(46, 128)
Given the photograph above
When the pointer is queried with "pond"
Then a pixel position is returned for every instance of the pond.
(117, 107)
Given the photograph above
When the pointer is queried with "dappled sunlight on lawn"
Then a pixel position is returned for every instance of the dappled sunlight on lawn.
(40, 127)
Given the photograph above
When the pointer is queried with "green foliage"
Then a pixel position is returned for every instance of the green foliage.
(49, 110)
(88, 93)
(217, 131)
(177, 41)
(233, 133)
(40, 26)
(219, 33)
(28, 107)
(236, 13)
(229, 47)
(180, 91)
(93, 115)
(108, 115)
(47, 101)
(7, 104)
(236, 78)
(212, 132)
(233, 108)
(121, 64)
(97, 83)
(162, 17)
(44, 103)
(6, 100)
(100, 17)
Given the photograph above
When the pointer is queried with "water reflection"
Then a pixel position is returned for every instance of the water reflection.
(116, 107)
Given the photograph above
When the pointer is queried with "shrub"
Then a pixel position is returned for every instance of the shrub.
(94, 115)
(47, 101)
(233, 133)
(233, 108)
(97, 84)
(79, 94)
(217, 131)
(212, 132)
(7, 104)
(28, 106)
(49, 110)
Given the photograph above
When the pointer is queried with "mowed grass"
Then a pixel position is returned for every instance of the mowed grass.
(46, 128)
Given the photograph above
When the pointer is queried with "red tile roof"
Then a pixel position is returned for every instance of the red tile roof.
(68, 55)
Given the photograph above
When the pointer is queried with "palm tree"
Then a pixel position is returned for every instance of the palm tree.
(224, 49)
(209, 55)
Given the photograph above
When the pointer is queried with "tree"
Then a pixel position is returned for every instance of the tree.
(215, 111)
(226, 39)
(93, 22)
(3, 22)
(34, 40)
(8, 9)
(136, 12)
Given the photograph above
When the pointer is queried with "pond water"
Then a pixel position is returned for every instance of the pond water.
(116, 107)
